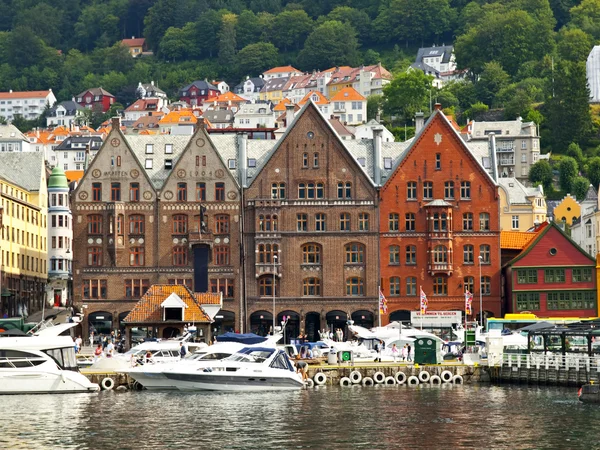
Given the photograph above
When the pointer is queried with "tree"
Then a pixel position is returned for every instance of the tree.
(227, 42)
(374, 103)
(256, 58)
(541, 172)
(586, 16)
(177, 43)
(360, 20)
(330, 44)
(492, 79)
(568, 171)
(575, 152)
(407, 94)
(248, 29)
(580, 187)
(48, 30)
(477, 110)
(291, 28)
(574, 44)
(593, 171)
(207, 29)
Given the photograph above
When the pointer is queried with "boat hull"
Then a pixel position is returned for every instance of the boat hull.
(229, 382)
(29, 382)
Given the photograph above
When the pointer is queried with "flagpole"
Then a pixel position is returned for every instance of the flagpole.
(379, 305)
(421, 305)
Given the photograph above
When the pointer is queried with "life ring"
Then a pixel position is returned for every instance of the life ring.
(378, 377)
(107, 384)
(413, 381)
(435, 380)
(390, 380)
(355, 377)
(457, 379)
(367, 381)
(424, 377)
(320, 378)
(309, 383)
(400, 377)
(446, 376)
(345, 382)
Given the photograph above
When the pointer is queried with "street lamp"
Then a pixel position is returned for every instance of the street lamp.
(274, 275)
(480, 292)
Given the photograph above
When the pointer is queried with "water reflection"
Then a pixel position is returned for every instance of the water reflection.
(329, 417)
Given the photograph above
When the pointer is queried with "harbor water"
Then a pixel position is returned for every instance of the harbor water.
(469, 416)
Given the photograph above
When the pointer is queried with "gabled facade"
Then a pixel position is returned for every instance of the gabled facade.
(66, 113)
(198, 92)
(552, 277)
(350, 106)
(97, 99)
(521, 208)
(136, 46)
(281, 72)
(438, 215)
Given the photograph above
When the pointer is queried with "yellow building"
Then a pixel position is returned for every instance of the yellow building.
(567, 210)
(24, 236)
(520, 207)
(273, 90)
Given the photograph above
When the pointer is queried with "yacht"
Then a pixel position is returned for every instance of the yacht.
(40, 364)
(253, 368)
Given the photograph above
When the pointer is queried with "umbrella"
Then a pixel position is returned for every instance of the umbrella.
(13, 332)
(537, 326)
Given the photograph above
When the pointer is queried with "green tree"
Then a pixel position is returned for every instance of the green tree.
(492, 79)
(330, 44)
(248, 30)
(407, 94)
(477, 110)
(177, 43)
(360, 20)
(574, 44)
(374, 103)
(579, 187)
(256, 58)
(586, 17)
(227, 42)
(50, 31)
(541, 172)
(165, 14)
(568, 171)
(575, 152)
(291, 28)
(207, 32)
(593, 171)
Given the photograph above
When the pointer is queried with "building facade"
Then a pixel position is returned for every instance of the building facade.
(28, 104)
(97, 99)
(521, 207)
(198, 92)
(440, 227)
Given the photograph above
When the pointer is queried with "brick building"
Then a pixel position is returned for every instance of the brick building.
(155, 210)
(438, 214)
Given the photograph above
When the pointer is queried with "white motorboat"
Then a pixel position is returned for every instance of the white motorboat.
(250, 369)
(40, 364)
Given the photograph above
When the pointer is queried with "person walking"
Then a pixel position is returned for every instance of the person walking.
(404, 352)
(92, 339)
(98, 353)
(378, 350)
(408, 353)
(182, 350)
(395, 352)
(109, 349)
(79, 343)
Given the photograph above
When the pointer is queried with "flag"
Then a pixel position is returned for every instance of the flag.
(423, 302)
(468, 301)
(382, 303)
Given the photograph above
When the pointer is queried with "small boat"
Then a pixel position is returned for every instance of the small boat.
(250, 369)
(589, 393)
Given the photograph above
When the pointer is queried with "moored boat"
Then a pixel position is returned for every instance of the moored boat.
(589, 393)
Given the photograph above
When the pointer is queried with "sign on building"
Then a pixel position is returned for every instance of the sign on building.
(436, 319)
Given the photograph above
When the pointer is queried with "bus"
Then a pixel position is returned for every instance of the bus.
(515, 321)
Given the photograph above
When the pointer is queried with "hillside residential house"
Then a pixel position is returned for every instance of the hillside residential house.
(136, 46)
(219, 118)
(142, 107)
(27, 104)
(567, 211)
(229, 100)
(438, 62)
(281, 72)
(71, 152)
(12, 140)
(65, 113)
(250, 88)
(272, 90)
(255, 115)
(145, 90)
(350, 106)
(584, 230)
(298, 86)
(97, 99)
(370, 80)
(198, 92)
(319, 100)
(222, 86)
(366, 131)
(521, 208)
(182, 122)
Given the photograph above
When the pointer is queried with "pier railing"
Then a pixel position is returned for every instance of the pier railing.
(552, 361)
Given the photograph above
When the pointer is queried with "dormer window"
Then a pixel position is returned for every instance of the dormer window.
(168, 163)
(173, 308)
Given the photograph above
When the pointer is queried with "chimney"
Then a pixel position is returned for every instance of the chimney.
(377, 139)
(289, 114)
(152, 83)
(437, 106)
(419, 122)
(200, 125)
(243, 161)
(116, 123)
(492, 144)
(86, 161)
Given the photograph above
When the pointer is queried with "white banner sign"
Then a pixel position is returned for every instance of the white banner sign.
(435, 318)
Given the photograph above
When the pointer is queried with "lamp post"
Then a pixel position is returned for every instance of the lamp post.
(480, 293)
(274, 280)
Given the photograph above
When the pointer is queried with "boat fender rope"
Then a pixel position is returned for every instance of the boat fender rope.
(413, 381)
(378, 377)
(400, 377)
(355, 377)
(345, 381)
(107, 384)
(446, 376)
(320, 378)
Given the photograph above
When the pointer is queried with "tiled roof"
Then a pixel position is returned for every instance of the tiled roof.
(208, 298)
(134, 42)
(228, 97)
(347, 94)
(515, 240)
(281, 105)
(96, 91)
(322, 100)
(11, 133)
(148, 309)
(25, 94)
(142, 104)
(518, 194)
(22, 168)
(183, 116)
(74, 175)
(282, 69)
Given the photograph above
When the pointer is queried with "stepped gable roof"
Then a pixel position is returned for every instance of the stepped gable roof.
(25, 94)
(96, 91)
(148, 309)
(22, 169)
(347, 94)
(282, 69)
(515, 240)
(322, 100)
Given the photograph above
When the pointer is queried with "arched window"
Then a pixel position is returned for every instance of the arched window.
(95, 224)
(355, 286)
(344, 190)
(355, 253)
(136, 224)
(180, 224)
(266, 252)
(265, 286)
(305, 160)
(311, 287)
(440, 254)
(311, 254)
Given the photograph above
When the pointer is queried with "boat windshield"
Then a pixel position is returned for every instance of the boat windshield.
(253, 355)
(18, 359)
(64, 357)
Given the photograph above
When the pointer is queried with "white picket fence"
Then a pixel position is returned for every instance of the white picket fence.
(552, 361)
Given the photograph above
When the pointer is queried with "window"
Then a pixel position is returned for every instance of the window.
(302, 222)
(148, 164)
(311, 287)
(97, 192)
(467, 222)
(136, 224)
(528, 301)
(201, 192)
(320, 222)
(469, 284)
(411, 190)
(393, 223)
(438, 161)
(440, 286)
(94, 289)
(410, 222)
(267, 222)
(278, 190)
(427, 190)
(411, 254)
(527, 276)
(136, 256)
(268, 253)
(394, 254)
(355, 253)
(363, 222)
(223, 285)
(222, 224)
(180, 255)
(486, 285)
(134, 192)
(411, 286)
(221, 255)
(120, 223)
(440, 254)
(468, 254)
(449, 190)
(94, 224)
(355, 286)
(554, 275)
(182, 192)
(320, 190)
(465, 190)
(220, 192)
(484, 253)
(515, 222)
(439, 222)
(311, 254)
(484, 222)
(387, 163)
(582, 274)
(136, 288)
(316, 160)
(305, 160)
(180, 224)
(94, 256)
(115, 192)
(394, 286)
(344, 222)
(344, 190)
(571, 300)
(265, 286)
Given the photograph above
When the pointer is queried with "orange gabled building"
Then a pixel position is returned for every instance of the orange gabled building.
(438, 213)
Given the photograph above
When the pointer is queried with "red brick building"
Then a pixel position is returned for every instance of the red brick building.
(551, 277)
(439, 225)
(97, 99)
(198, 92)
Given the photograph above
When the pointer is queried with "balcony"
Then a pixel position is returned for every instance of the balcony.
(197, 238)
(439, 269)
(507, 162)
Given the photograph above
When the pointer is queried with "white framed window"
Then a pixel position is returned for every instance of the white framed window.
(148, 163)
(149, 149)
(168, 149)
(524, 145)
(515, 222)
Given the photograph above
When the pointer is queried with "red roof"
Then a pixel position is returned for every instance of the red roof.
(25, 94)
(282, 69)
(135, 42)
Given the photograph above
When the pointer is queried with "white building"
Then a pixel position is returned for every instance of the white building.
(592, 68)
(71, 152)
(365, 131)
(281, 72)
(60, 238)
(255, 115)
(12, 140)
(221, 86)
(438, 62)
(584, 230)
(27, 104)
(350, 106)
(65, 113)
